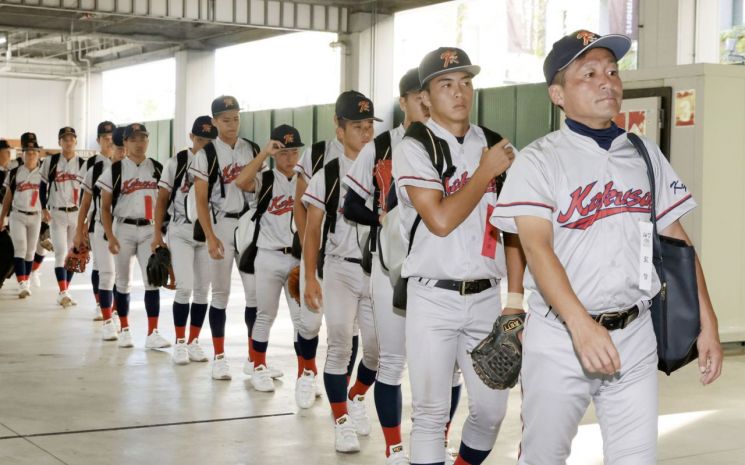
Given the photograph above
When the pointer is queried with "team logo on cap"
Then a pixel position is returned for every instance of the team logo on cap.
(289, 138)
(136, 127)
(229, 102)
(31, 137)
(206, 127)
(108, 128)
(364, 106)
(448, 58)
(587, 37)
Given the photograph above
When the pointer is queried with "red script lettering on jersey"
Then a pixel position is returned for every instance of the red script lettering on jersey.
(230, 172)
(132, 185)
(603, 204)
(64, 176)
(454, 184)
(25, 186)
(280, 205)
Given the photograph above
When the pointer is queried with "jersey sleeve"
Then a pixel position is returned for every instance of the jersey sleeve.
(672, 198)
(359, 178)
(413, 167)
(168, 176)
(44, 171)
(303, 166)
(198, 167)
(104, 181)
(315, 194)
(526, 192)
(82, 172)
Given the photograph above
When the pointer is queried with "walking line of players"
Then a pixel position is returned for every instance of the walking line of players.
(313, 210)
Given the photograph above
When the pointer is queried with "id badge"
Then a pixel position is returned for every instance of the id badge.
(646, 266)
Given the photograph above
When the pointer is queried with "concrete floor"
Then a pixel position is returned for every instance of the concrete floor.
(68, 397)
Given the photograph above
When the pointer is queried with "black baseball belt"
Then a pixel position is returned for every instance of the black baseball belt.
(617, 320)
(462, 287)
(137, 221)
(233, 215)
(66, 209)
(25, 212)
(285, 250)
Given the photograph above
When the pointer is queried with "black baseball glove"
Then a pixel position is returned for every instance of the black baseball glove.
(160, 269)
(497, 359)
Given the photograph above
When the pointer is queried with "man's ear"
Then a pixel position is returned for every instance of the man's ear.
(556, 93)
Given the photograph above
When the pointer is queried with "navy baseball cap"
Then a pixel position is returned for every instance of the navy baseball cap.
(29, 141)
(203, 127)
(354, 106)
(409, 82)
(134, 129)
(445, 60)
(224, 103)
(105, 127)
(118, 136)
(288, 135)
(4, 144)
(65, 131)
(570, 47)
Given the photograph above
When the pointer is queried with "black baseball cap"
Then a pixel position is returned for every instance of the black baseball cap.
(105, 127)
(570, 47)
(29, 141)
(354, 106)
(224, 103)
(203, 127)
(134, 129)
(118, 136)
(409, 82)
(289, 136)
(65, 131)
(4, 144)
(445, 60)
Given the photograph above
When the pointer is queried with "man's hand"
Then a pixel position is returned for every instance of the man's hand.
(710, 355)
(497, 159)
(594, 347)
(272, 147)
(81, 239)
(113, 245)
(215, 247)
(313, 295)
(157, 242)
(46, 216)
(2, 223)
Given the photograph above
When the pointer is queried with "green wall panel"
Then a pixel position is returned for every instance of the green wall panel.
(533, 113)
(247, 125)
(165, 137)
(282, 116)
(497, 110)
(262, 126)
(323, 119)
(302, 120)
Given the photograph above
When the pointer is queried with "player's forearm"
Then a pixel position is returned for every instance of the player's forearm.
(246, 180)
(160, 210)
(107, 218)
(516, 262)
(300, 215)
(7, 199)
(311, 247)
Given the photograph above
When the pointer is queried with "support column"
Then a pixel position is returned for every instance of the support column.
(195, 90)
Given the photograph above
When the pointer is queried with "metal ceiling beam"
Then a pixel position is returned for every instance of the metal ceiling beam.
(105, 52)
(272, 14)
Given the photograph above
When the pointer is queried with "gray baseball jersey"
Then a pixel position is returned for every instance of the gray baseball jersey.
(26, 195)
(177, 209)
(469, 252)
(334, 149)
(139, 189)
(276, 223)
(63, 190)
(87, 184)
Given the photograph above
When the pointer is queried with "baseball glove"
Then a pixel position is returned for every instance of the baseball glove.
(76, 259)
(160, 269)
(384, 180)
(293, 283)
(497, 359)
(45, 240)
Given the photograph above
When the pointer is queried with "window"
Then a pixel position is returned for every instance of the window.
(732, 32)
(144, 92)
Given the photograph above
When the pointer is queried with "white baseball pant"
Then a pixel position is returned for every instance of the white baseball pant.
(103, 260)
(134, 242)
(190, 260)
(390, 327)
(272, 269)
(310, 322)
(62, 230)
(24, 231)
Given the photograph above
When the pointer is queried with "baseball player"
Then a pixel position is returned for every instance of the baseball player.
(274, 190)
(363, 179)
(219, 205)
(456, 259)
(580, 200)
(189, 258)
(87, 218)
(6, 164)
(90, 229)
(60, 195)
(22, 196)
(128, 191)
(331, 240)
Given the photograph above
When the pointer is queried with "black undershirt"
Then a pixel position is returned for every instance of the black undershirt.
(603, 137)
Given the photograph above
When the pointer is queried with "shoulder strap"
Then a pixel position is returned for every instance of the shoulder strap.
(213, 170)
(493, 138)
(82, 162)
(52, 173)
(254, 146)
(97, 171)
(265, 195)
(91, 161)
(437, 148)
(157, 169)
(181, 160)
(383, 146)
(331, 180)
(12, 176)
(116, 179)
(317, 154)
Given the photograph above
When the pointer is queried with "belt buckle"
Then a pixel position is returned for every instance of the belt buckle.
(463, 286)
(611, 320)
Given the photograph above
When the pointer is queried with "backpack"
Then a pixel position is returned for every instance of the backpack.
(250, 226)
(382, 155)
(116, 178)
(96, 192)
(54, 161)
(439, 154)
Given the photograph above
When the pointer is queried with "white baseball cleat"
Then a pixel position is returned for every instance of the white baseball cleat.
(117, 321)
(156, 341)
(180, 353)
(35, 279)
(97, 316)
(24, 290)
(397, 456)
(261, 380)
(345, 436)
(196, 353)
(358, 413)
(220, 368)
(125, 339)
(109, 331)
(305, 389)
(63, 299)
(248, 370)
